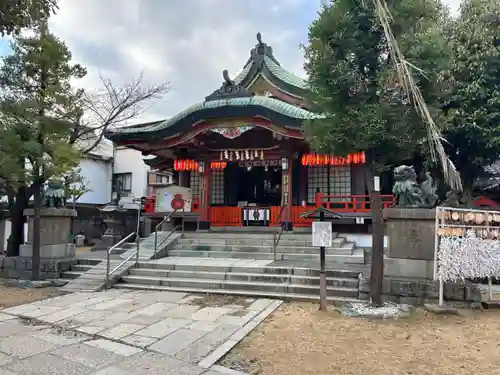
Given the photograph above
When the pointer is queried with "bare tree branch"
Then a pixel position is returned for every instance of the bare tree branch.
(113, 107)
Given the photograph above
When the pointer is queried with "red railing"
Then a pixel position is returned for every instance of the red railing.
(226, 216)
(275, 213)
(350, 203)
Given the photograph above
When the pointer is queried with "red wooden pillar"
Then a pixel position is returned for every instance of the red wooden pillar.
(205, 199)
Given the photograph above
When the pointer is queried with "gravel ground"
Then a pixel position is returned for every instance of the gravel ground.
(13, 296)
(298, 339)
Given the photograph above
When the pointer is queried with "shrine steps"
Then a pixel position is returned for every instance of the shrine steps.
(244, 245)
(357, 257)
(288, 283)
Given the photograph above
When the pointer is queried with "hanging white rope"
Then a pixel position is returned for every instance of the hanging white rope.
(411, 89)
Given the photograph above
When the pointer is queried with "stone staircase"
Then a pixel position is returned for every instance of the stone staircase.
(295, 247)
(147, 245)
(89, 275)
(193, 276)
(242, 263)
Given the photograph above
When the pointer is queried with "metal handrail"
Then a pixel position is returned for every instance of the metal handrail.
(277, 236)
(163, 240)
(158, 226)
(111, 249)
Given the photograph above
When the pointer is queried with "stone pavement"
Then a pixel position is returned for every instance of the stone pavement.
(123, 333)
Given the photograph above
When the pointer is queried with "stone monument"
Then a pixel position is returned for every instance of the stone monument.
(55, 226)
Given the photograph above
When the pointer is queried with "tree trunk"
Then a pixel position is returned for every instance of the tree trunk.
(17, 219)
(37, 203)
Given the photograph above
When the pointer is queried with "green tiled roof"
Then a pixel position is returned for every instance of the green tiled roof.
(262, 61)
(285, 75)
(270, 104)
(233, 100)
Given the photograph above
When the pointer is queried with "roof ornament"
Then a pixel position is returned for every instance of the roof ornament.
(259, 38)
(260, 50)
(229, 89)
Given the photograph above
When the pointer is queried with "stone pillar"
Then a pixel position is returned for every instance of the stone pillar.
(205, 198)
(55, 229)
(287, 197)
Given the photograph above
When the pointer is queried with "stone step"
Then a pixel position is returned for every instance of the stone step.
(71, 274)
(244, 276)
(248, 293)
(356, 257)
(345, 249)
(246, 235)
(93, 279)
(337, 242)
(146, 245)
(240, 285)
(88, 261)
(291, 271)
(80, 267)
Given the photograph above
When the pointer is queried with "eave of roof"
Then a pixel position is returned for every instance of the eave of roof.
(277, 111)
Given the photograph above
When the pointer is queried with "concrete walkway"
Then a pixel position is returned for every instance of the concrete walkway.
(123, 333)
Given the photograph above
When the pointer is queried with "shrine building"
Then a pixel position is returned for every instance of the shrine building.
(242, 152)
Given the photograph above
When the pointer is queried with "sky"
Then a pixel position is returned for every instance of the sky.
(187, 43)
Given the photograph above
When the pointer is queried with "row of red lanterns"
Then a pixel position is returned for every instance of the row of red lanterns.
(218, 165)
(186, 165)
(321, 159)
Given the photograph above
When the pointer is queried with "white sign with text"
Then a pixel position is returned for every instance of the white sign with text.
(322, 233)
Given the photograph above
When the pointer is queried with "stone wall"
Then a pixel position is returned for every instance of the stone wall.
(419, 291)
(20, 267)
(410, 250)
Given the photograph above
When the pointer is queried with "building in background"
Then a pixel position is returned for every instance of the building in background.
(159, 179)
(130, 176)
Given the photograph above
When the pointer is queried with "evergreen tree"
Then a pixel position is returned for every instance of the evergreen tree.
(16, 15)
(38, 111)
(355, 84)
(472, 104)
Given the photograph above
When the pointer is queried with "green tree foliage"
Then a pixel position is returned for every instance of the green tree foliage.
(18, 14)
(38, 110)
(472, 104)
(354, 82)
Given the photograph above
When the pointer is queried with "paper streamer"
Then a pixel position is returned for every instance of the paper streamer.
(468, 257)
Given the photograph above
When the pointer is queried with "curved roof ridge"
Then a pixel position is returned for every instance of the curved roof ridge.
(272, 104)
(286, 75)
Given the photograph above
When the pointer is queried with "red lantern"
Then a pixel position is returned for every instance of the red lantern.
(362, 157)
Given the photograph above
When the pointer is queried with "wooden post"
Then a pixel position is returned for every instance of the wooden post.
(322, 275)
(377, 267)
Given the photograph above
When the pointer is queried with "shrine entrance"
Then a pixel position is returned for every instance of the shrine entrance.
(258, 186)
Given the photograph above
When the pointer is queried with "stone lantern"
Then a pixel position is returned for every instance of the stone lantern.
(113, 233)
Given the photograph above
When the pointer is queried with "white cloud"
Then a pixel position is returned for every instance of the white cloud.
(188, 43)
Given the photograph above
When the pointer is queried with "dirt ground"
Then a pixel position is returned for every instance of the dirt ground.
(13, 296)
(83, 249)
(298, 339)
